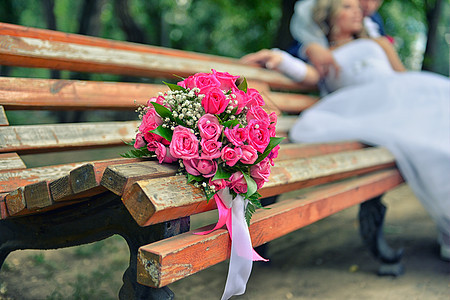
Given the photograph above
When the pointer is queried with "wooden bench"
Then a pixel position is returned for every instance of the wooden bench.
(76, 202)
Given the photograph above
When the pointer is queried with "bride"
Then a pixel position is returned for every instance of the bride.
(373, 99)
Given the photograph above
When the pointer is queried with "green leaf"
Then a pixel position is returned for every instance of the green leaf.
(231, 123)
(192, 178)
(209, 194)
(175, 87)
(243, 85)
(179, 77)
(163, 132)
(163, 111)
(129, 143)
(251, 185)
(136, 153)
(274, 141)
(221, 174)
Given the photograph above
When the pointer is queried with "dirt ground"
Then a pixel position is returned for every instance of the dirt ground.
(326, 260)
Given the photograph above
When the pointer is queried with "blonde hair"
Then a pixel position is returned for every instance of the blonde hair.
(325, 13)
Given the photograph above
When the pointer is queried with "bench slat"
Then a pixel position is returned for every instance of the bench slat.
(11, 180)
(41, 138)
(11, 161)
(28, 94)
(3, 209)
(51, 35)
(38, 53)
(164, 262)
(293, 103)
(73, 182)
(161, 199)
(3, 119)
(119, 178)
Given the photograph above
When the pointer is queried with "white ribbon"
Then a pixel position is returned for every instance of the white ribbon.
(241, 259)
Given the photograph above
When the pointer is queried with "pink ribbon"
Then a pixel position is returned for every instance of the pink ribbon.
(242, 252)
(226, 219)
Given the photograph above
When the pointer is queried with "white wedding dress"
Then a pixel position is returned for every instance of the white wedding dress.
(408, 113)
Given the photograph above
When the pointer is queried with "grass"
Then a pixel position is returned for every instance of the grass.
(92, 271)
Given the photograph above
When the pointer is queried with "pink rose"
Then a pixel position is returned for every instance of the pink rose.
(273, 118)
(238, 183)
(200, 80)
(151, 120)
(209, 127)
(204, 167)
(260, 172)
(258, 113)
(158, 100)
(249, 154)
(231, 155)
(272, 130)
(184, 143)
(273, 154)
(151, 146)
(211, 149)
(258, 134)
(240, 101)
(163, 155)
(218, 184)
(214, 102)
(237, 136)
(139, 142)
(255, 98)
(227, 81)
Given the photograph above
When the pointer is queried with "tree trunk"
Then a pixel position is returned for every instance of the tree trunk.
(433, 14)
(284, 39)
(132, 30)
(48, 7)
(8, 14)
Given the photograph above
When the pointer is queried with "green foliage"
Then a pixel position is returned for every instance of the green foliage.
(223, 27)
(406, 21)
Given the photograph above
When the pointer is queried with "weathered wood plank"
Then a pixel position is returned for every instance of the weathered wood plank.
(15, 201)
(160, 199)
(50, 35)
(3, 118)
(37, 53)
(284, 124)
(11, 161)
(41, 138)
(77, 183)
(119, 178)
(11, 180)
(164, 262)
(3, 209)
(293, 103)
(83, 181)
(30, 93)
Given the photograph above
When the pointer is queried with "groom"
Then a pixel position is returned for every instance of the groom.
(312, 44)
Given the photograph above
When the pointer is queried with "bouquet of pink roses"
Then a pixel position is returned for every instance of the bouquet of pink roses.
(216, 130)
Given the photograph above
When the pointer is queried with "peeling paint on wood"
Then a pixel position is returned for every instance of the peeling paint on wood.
(30, 93)
(173, 197)
(3, 119)
(11, 161)
(173, 253)
(76, 57)
(38, 138)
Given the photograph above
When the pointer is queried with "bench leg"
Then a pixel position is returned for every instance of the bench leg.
(136, 237)
(88, 222)
(371, 218)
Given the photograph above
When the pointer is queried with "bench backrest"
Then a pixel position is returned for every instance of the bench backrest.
(22, 145)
